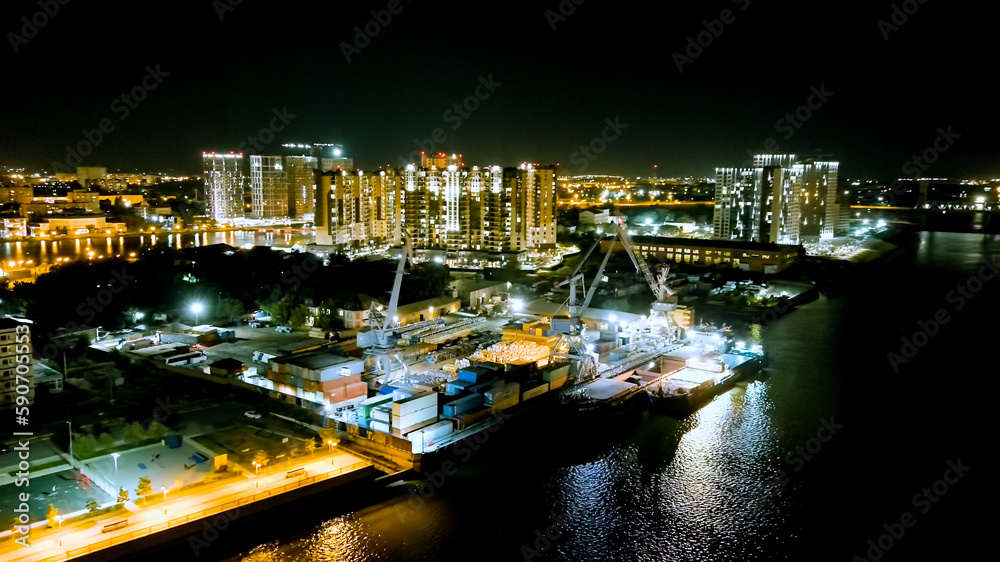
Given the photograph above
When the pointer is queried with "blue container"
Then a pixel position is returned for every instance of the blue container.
(463, 405)
(474, 375)
(386, 390)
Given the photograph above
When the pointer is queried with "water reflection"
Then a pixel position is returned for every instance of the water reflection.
(45, 252)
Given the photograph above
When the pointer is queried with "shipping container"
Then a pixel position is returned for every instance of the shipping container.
(366, 406)
(504, 404)
(413, 418)
(386, 389)
(536, 389)
(559, 383)
(490, 366)
(404, 392)
(381, 413)
(472, 417)
(483, 387)
(401, 431)
(455, 387)
(474, 375)
(380, 426)
(502, 393)
(414, 403)
(462, 405)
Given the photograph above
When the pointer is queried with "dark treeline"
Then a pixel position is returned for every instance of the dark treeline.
(228, 283)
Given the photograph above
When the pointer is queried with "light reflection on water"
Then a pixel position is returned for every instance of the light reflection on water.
(43, 252)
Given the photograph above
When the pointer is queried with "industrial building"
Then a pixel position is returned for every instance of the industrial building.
(748, 256)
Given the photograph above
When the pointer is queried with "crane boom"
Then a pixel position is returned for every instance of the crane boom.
(398, 282)
(640, 263)
(597, 279)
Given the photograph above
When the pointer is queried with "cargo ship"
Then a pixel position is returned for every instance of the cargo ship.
(683, 391)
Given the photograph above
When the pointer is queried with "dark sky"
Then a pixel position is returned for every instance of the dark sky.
(556, 87)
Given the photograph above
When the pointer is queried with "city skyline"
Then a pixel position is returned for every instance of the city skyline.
(685, 93)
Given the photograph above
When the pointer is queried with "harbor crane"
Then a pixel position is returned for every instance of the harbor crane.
(377, 339)
(661, 312)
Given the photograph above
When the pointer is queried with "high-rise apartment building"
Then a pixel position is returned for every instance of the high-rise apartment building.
(441, 204)
(780, 199)
(224, 182)
(268, 187)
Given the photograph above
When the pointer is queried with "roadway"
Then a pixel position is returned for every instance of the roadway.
(169, 512)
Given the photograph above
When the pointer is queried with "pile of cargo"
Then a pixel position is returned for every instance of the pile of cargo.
(509, 351)
(456, 330)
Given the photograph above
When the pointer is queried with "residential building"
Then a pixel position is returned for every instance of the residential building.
(269, 194)
(223, 186)
(780, 199)
(16, 363)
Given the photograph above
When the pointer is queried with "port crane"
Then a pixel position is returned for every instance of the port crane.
(661, 311)
(376, 340)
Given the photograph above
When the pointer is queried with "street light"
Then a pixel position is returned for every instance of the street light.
(115, 456)
(164, 488)
(196, 308)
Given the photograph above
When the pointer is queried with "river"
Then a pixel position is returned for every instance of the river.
(829, 449)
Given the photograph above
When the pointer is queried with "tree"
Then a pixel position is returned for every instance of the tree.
(92, 505)
(122, 495)
(105, 440)
(145, 488)
(328, 435)
(51, 514)
(310, 446)
(231, 309)
(134, 432)
(261, 458)
(84, 446)
(299, 315)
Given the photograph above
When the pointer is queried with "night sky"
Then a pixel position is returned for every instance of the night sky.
(226, 77)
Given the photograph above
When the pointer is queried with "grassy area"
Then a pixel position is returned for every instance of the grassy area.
(43, 466)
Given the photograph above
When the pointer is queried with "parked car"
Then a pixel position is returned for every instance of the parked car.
(284, 329)
(252, 414)
(257, 324)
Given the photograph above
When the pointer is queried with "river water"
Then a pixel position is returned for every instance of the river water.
(45, 252)
(808, 461)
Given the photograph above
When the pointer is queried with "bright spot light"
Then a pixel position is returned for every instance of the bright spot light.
(196, 308)
(517, 305)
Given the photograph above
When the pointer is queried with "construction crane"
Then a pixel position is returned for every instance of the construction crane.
(376, 340)
(661, 312)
